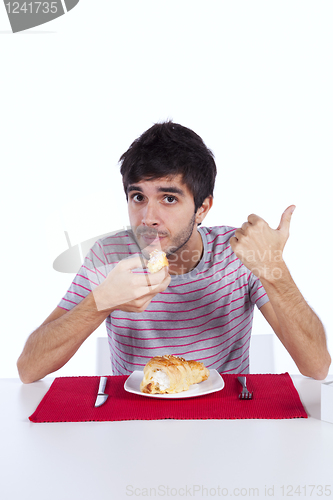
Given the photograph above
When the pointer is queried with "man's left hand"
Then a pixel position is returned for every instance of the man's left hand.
(260, 247)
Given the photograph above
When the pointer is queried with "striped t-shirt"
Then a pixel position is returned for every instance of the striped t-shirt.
(205, 314)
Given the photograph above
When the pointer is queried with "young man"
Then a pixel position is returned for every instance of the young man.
(201, 306)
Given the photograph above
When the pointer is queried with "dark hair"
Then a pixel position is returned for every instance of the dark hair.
(168, 149)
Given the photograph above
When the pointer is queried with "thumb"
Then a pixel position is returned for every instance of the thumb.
(285, 220)
(133, 262)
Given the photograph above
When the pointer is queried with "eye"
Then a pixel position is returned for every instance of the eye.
(137, 197)
(170, 200)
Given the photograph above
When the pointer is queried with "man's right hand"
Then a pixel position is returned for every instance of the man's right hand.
(50, 346)
(128, 291)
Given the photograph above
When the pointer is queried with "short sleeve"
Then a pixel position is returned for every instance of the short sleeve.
(258, 295)
(93, 271)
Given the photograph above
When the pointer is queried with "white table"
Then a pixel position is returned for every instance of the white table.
(172, 458)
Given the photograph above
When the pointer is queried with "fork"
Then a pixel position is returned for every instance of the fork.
(245, 394)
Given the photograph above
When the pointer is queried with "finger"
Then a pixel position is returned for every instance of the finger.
(239, 233)
(245, 226)
(284, 225)
(155, 278)
(161, 286)
(134, 262)
(233, 242)
(159, 277)
(253, 219)
(144, 306)
(144, 279)
(153, 289)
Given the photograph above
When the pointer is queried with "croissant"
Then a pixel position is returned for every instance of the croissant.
(170, 374)
(157, 261)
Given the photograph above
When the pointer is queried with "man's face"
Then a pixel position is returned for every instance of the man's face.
(161, 213)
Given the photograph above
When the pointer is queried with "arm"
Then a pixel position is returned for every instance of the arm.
(58, 338)
(307, 346)
(50, 346)
(297, 326)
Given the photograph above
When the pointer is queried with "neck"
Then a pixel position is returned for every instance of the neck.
(188, 256)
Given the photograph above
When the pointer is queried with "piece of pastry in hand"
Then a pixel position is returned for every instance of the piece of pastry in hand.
(171, 374)
(157, 261)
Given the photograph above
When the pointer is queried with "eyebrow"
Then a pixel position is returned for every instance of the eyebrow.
(161, 189)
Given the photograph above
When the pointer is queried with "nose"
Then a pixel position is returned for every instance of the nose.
(150, 216)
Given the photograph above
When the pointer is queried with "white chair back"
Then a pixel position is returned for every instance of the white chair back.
(261, 355)
(103, 363)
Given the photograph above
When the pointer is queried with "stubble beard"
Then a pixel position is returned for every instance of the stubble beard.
(181, 239)
(177, 243)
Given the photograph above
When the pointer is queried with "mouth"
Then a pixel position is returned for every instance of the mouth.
(149, 235)
(149, 239)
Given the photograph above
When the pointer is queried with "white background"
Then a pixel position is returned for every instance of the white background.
(253, 78)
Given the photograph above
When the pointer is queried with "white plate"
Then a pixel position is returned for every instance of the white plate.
(214, 383)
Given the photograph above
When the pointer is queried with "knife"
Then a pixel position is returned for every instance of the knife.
(101, 396)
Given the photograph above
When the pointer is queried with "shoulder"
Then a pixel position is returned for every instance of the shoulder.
(116, 246)
(219, 255)
(218, 235)
(117, 238)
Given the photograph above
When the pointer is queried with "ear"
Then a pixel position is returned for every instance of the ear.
(204, 209)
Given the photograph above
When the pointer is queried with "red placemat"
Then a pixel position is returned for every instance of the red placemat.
(72, 399)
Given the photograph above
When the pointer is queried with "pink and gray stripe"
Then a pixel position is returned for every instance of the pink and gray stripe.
(204, 315)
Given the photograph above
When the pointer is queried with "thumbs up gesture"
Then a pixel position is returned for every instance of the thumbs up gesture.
(260, 247)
